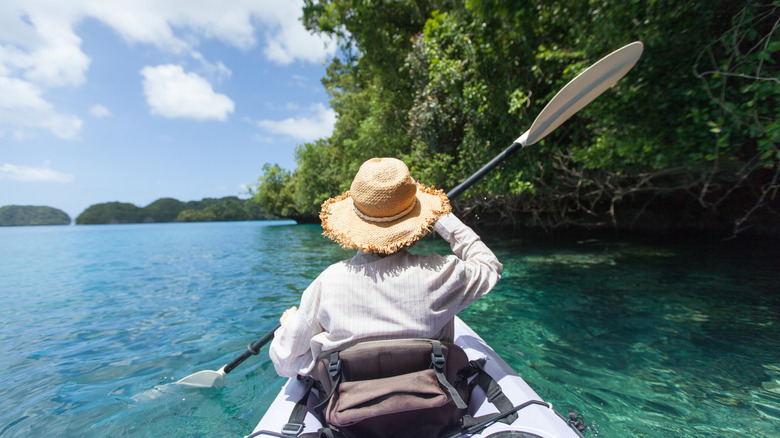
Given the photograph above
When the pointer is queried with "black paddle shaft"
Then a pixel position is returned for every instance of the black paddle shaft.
(462, 187)
(251, 350)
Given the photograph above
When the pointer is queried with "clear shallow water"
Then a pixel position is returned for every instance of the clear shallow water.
(643, 339)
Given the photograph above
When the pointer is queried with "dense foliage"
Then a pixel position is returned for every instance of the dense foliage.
(229, 208)
(445, 85)
(21, 215)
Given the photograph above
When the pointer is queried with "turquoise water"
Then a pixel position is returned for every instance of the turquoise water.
(645, 339)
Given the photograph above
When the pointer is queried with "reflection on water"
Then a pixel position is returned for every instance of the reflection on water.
(644, 339)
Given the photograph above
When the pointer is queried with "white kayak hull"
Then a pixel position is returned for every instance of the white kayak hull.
(536, 419)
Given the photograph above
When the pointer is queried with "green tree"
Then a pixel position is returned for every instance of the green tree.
(111, 213)
(228, 209)
(164, 210)
(274, 191)
(194, 216)
(21, 215)
(317, 177)
(446, 85)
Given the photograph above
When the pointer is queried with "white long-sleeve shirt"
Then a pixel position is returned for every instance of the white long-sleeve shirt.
(372, 297)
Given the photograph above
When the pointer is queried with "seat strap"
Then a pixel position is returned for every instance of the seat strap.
(294, 424)
(438, 360)
(334, 371)
(494, 395)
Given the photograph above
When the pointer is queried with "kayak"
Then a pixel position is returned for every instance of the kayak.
(536, 418)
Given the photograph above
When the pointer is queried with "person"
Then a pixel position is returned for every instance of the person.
(384, 291)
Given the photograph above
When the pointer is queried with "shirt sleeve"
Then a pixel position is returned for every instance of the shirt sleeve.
(479, 269)
(290, 349)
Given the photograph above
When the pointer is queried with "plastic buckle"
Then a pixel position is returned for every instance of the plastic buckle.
(292, 429)
(438, 360)
(493, 393)
(437, 357)
(334, 368)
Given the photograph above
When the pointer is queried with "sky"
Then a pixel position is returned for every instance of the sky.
(136, 100)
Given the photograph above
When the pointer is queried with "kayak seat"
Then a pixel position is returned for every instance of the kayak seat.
(398, 388)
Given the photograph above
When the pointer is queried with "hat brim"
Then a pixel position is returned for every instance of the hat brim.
(343, 225)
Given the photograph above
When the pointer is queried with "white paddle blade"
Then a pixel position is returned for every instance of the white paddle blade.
(204, 379)
(581, 91)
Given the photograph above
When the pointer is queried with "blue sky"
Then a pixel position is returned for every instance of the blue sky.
(135, 100)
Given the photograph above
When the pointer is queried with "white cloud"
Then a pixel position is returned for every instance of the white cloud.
(217, 71)
(306, 127)
(42, 34)
(288, 40)
(33, 174)
(172, 93)
(23, 109)
(18, 94)
(39, 44)
(60, 61)
(98, 110)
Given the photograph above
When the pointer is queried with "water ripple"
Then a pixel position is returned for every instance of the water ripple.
(644, 339)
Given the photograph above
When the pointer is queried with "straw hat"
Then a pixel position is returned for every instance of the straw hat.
(384, 210)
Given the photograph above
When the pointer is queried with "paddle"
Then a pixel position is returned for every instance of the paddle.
(216, 379)
(579, 92)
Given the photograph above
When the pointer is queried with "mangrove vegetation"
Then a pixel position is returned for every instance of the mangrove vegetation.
(688, 139)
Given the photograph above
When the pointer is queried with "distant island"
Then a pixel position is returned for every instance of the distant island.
(23, 215)
(230, 208)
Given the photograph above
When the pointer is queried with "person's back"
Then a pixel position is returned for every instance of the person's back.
(412, 380)
(385, 292)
